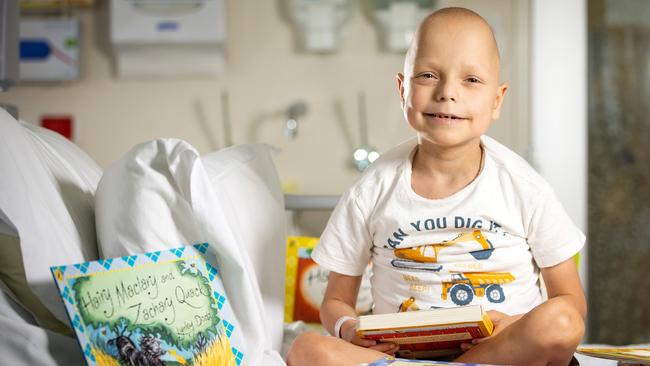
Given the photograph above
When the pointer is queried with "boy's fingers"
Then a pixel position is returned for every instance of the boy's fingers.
(392, 352)
(480, 340)
(365, 342)
(466, 346)
(382, 347)
(385, 347)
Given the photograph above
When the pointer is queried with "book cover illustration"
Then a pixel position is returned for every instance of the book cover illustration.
(306, 283)
(159, 308)
(632, 354)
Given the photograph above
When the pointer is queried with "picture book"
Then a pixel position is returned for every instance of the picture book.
(405, 362)
(427, 334)
(306, 283)
(632, 354)
(160, 308)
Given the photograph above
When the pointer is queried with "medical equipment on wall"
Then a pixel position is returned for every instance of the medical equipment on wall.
(53, 5)
(319, 22)
(168, 37)
(49, 49)
(398, 19)
(364, 154)
(9, 13)
(63, 124)
(225, 119)
(295, 111)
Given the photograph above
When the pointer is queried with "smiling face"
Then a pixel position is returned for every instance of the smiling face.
(450, 90)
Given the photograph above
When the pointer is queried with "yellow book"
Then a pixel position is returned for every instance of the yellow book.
(306, 283)
(635, 355)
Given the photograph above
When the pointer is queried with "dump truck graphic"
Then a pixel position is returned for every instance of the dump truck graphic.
(425, 257)
(464, 286)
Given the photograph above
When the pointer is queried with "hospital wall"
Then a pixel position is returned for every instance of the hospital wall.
(265, 72)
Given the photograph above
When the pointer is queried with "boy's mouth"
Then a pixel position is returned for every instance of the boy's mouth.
(443, 115)
(443, 119)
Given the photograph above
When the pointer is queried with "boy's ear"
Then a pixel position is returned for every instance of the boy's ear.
(498, 101)
(400, 87)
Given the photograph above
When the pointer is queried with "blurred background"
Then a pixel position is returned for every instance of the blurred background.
(316, 78)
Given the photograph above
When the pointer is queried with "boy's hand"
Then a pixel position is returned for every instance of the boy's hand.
(349, 333)
(500, 321)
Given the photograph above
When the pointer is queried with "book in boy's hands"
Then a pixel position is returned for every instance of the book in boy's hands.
(402, 362)
(427, 334)
(629, 355)
(159, 308)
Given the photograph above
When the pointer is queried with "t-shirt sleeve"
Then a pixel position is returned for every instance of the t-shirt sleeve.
(552, 235)
(346, 242)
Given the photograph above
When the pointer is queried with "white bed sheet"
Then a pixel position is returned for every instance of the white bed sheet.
(24, 343)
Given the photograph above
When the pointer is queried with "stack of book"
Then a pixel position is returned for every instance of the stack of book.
(427, 334)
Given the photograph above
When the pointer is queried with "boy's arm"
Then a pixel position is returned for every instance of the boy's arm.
(563, 284)
(340, 299)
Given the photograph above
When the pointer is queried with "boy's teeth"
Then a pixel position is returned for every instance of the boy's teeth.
(444, 116)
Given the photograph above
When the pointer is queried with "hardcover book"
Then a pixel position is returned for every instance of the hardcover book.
(427, 334)
(159, 308)
(306, 283)
(404, 362)
(631, 355)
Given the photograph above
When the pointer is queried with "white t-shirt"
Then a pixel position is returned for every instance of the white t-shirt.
(481, 245)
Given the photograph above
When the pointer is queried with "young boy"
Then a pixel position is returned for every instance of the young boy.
(450, 203)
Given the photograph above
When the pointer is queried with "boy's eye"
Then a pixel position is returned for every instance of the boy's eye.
(472, 79)
(427, 75)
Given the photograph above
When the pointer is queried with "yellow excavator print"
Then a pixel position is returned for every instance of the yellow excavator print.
(425, 257)
(408, 305)
(463, 286)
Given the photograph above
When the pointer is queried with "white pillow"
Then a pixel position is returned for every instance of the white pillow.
(143, 202)
(46, 195)
(159, 196)
(246, 182)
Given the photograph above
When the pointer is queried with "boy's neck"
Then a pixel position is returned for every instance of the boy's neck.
(440, 172)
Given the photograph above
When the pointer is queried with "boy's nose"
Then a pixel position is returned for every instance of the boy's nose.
(446, 92)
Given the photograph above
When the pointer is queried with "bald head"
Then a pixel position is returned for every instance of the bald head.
(463, 25)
